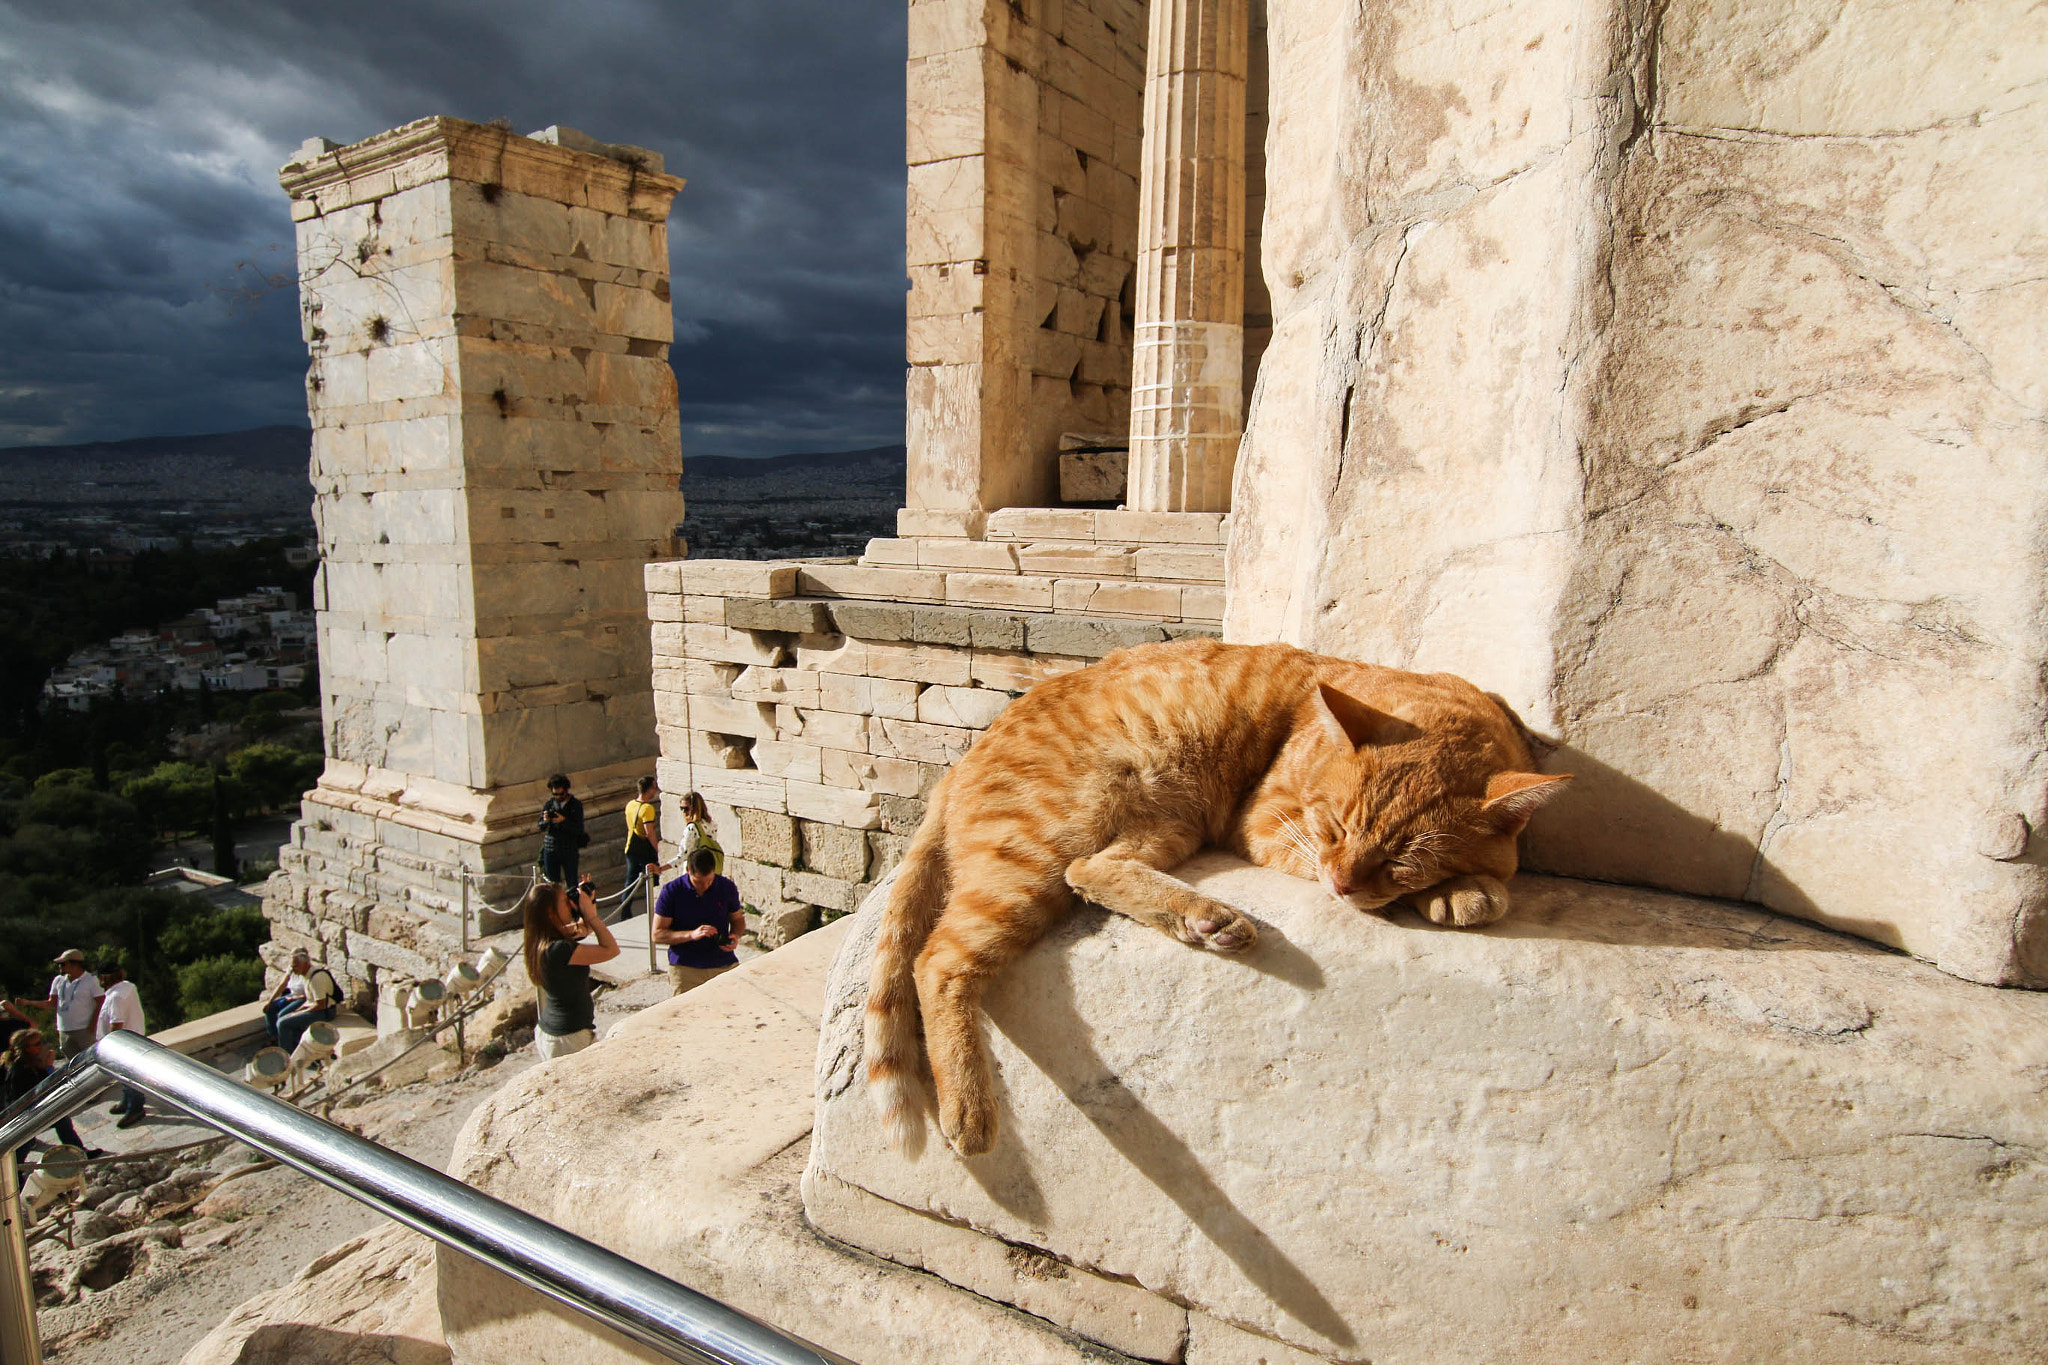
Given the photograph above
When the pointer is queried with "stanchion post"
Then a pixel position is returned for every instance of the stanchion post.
(649, 875)
(465, 911)
(18, 1339)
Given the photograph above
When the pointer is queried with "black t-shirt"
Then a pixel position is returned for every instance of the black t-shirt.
(564, 991)
(22, 1077)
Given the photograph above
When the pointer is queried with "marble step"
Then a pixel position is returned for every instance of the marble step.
(1171, 563)
(1146, 599)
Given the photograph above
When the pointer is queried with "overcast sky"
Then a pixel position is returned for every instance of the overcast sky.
(139, 198)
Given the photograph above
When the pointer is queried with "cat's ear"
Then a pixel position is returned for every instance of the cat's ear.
(1511, 798)
(1348, 721)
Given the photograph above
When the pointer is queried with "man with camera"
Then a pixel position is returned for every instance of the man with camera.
(562, 839)
(698, 917)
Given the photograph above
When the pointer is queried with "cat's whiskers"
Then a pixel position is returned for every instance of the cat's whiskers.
(1297, 839)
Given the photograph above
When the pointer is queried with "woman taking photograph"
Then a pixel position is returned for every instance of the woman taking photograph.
(29, 1061)
(559, 965)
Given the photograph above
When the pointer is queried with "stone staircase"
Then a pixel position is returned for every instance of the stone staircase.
(1149, 566)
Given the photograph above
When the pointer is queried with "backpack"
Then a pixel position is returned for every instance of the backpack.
(706, 839)
(321, 987)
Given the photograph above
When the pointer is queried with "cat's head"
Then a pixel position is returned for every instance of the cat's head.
(1390, 806)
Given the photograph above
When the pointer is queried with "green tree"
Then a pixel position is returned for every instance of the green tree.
(88, 838)
(264, 713)
(231, 931)
(275, 775)
(223, 831)
(172, 796)
(213, 984)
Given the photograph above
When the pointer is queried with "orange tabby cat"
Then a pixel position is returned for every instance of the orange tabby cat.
(1375, 782)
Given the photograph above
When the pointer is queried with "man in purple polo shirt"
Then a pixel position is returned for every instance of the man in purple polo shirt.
(698, 916)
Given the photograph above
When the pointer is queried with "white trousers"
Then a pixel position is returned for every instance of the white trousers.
(548, 1045)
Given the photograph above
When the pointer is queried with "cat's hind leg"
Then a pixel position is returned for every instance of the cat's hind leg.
(1130, 878)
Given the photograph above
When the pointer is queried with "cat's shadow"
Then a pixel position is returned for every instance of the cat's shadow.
(1277, 956)
(1051, 1033)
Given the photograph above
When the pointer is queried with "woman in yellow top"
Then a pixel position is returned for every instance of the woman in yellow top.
(643, 839)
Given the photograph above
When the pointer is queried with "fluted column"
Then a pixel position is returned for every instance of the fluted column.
(1187, 384)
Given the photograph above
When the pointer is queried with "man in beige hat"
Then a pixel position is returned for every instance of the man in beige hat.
(75, 1000)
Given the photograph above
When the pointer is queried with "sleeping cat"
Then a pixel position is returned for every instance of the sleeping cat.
(1379, 784)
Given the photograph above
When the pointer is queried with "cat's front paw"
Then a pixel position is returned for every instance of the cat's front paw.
(1215, 925)
(1465, 902)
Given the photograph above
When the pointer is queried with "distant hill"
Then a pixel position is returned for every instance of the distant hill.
(739, 467)
(270, 449)
(286, 449)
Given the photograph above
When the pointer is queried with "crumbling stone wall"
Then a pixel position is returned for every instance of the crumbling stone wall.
(495, 456)
(1024, 129)
(815, 705)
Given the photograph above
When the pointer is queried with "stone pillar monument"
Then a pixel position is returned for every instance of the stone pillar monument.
(1187, 386)
(495, 457)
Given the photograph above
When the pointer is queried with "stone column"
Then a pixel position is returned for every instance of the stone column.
(1187, 385)
(495, 458)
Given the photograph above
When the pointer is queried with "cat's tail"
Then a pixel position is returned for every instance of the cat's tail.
(892, 1035)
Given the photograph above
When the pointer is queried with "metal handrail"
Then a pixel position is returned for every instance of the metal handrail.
(672, 1319)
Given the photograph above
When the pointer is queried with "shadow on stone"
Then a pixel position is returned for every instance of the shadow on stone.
(1643, 838)
(1056, 1039)
(292, 1343)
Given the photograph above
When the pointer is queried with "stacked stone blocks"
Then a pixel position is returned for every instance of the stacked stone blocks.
(1141, 565)
(495, 456)
(1025, 151)
(1024, 128)
(815, 723)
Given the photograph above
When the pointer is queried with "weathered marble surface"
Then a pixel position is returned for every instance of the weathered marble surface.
(369, 1299)
(495, 459)
(1619, 1118)
(679, 1141)
(1677, 375)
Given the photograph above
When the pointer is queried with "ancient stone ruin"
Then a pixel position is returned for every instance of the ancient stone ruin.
(495, 456)
(1671, 371)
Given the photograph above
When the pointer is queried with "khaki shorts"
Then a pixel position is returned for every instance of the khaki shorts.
(548, 1045)
(682, 979)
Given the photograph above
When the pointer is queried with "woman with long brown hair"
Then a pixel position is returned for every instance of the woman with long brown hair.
(558, 963)
(27, 1061)
(697, 831)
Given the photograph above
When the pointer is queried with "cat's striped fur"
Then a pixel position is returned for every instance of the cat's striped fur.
(1376, 782)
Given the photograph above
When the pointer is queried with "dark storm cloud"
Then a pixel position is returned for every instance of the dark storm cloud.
(140, 216)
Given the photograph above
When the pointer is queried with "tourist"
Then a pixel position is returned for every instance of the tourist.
(74, 1002)
(697, 831)
(13, 1019)
(699, 918)
(643, 838)
(290, 993)
(121, 1012)
(27, 1063)
(558, 963)
(562, 839)
(317, 1006)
